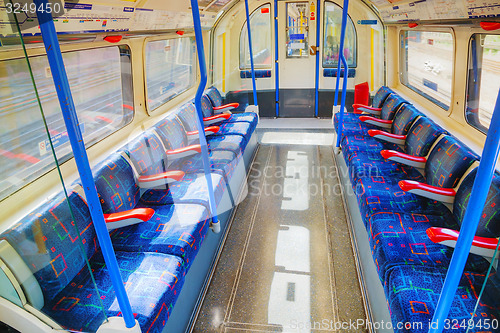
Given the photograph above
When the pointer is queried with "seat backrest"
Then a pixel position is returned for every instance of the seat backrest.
(187, 115)
(421, 136)
(404, 118)
(116, 184)
(147, 153)
(380, 96)
(448, 162)
(214, 96)
(49, 241)
(206, 106)
(391, 106)
(489, 224)
(172, 132)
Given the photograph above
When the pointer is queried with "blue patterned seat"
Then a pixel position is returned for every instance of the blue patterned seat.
(56, 248)
(413, 293)
(235, 143)
(217, 100)
(446, 164)
(242, 128)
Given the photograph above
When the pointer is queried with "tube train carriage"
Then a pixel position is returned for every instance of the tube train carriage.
(249, 166)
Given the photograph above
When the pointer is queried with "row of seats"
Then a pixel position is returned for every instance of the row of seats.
(412, 180)
(155, 198)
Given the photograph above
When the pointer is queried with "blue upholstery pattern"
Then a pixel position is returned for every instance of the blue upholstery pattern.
(403, 119)
(354, 144)
(391, 105)
(174, 229)
(223, 162)
(215, 96)
(422, 136)
(381, 96)
(489, 224)
(172, 132)
(51, 244)
(147, 153)
(247, 117)
(206, 107)
(152, 280)
(401, 239)
(413, 292)
(239, 128)
(448, 162)
(115, 183)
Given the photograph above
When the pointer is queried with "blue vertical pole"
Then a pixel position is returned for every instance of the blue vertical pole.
(197, 102)
(341, 50)
(254, 86)
(472, 215)
(63, 90)
(318, 30)
(344, 77)
(276, 58)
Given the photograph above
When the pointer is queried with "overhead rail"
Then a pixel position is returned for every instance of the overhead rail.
(66, 102)
(344, 75)
(318, 30)
(472, 216)
(199, 124)
(252, 66)
(276, 66)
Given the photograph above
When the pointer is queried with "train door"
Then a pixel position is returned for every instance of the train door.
(296, 58)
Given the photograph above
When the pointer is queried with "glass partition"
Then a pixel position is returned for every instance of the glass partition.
(260, 24)
(331, 42)
(297, 29)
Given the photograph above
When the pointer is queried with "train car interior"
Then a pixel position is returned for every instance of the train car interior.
(228, 166)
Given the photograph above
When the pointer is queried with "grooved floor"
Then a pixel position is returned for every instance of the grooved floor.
(287, 264)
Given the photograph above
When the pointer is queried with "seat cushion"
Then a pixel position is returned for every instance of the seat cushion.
(238, 128)
(413, 293)
(234, 143)
(152, 280)
(174, 229)
(191, 189)
(223, 162)
(401, 239)
(351, 124)
(354, 144)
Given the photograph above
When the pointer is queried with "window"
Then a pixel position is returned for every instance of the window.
(427, 66)
(484, 80)
(260, 23)
(332, 27)
(101, 86)
(297, 28)
(170, 69)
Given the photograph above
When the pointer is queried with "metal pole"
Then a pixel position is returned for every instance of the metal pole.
(341, 50)
(345, 76)
(63, 90)
(276, 58)
(197, 102)
(254, 85)
(318, 30)
(472, 215)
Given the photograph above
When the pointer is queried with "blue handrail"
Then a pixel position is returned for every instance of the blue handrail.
(66, 102)
(472, 215)
(249, 28)
(344, 77)
(318, 30)
(276, 57)
(197, 102)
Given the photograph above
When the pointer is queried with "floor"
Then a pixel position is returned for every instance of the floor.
(287, 264)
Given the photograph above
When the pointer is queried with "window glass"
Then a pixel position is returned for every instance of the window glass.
(260, 23)
(332, 27)
(170, 69)
(100, 83)
(484, 79)
(297, 28)
(427, 66)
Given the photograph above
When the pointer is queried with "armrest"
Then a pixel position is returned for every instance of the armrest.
(129, 217)
(482, 246)
(358, 108)
(376, 121)
(446, 195)
(386, 136)
(225, 108)
(183, 152)
(160, 179)
(396, 156)
(216, 119)
(208, 131)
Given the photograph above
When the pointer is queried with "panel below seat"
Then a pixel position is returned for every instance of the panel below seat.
(152, 281)
(401, 239)
(174, 229)
(414, 293)
(192, 189)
